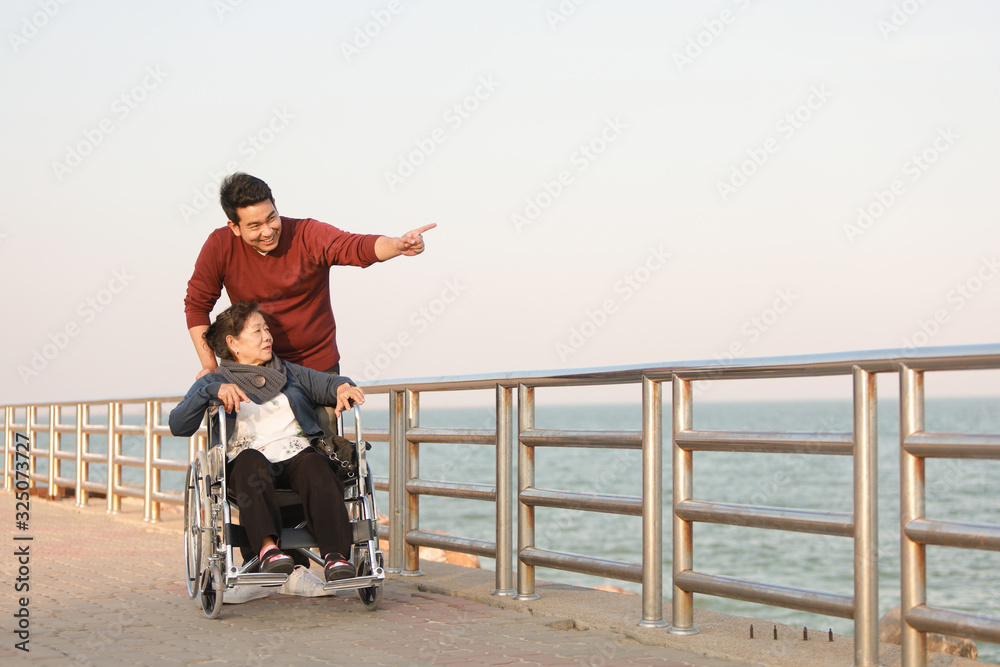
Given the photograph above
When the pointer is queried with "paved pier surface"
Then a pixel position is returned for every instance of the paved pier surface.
(108, 590)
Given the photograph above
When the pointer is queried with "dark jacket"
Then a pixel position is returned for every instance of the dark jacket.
(305, 390)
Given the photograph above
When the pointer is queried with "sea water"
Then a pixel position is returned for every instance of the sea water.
(956, 490)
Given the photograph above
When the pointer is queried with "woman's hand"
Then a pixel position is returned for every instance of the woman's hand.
(345, 395)
(231, 397)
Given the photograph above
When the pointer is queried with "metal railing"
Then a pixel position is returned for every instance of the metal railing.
(405, 486)
(918, 531)
(862, 525)
(648, 506)
(114, 428)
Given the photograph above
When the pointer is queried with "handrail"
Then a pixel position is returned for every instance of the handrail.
(649, 440)
(862, 525)
(918, 530)
(404, 485)
(113, 488)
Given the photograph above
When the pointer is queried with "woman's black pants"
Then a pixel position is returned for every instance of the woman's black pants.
(252, 480)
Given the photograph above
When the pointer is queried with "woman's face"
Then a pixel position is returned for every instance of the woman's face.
(253, 345)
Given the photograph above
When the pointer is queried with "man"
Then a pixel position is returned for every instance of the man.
(284, 265)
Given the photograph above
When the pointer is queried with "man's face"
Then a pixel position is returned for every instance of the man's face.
(259, 226)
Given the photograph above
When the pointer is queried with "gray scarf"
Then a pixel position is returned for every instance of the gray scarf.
(260, 383)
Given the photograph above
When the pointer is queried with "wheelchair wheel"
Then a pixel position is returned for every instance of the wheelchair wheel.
(192, 528)
(211, 590)
(371, 597)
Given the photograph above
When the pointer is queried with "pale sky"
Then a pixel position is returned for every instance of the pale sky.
(614, 182)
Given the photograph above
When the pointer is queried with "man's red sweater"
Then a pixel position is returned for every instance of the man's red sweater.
(291, 283)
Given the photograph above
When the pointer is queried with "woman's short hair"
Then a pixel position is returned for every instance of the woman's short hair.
(229, 322)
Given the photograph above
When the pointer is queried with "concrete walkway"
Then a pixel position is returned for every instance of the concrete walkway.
(108, 591)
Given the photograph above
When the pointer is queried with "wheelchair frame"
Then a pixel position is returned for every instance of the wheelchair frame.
(209, 532)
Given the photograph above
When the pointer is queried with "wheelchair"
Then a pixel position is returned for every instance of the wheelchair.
(210, 535)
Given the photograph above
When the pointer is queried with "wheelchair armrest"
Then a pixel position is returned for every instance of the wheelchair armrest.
(212, 415)
(356, 409)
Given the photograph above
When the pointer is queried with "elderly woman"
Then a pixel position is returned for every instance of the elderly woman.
(272, 423)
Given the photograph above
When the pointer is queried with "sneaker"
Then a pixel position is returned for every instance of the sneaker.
(337, 569)
(276, 562)
(304, 583)
(242, 594)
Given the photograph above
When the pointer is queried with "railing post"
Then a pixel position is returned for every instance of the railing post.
(147, 464)
(114, 503)
(411, 553)
(150, 507)
(397, 475)
(866, 636)
(913, 564)
(652, 503)
(504, 491)
(525, 479)
(81, 470)
(683, 546)
(53, 492)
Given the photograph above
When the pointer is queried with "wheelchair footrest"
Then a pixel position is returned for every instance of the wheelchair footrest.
(258, 579)
(355, 582)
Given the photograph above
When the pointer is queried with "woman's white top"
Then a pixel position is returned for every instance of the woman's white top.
(270, 428)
